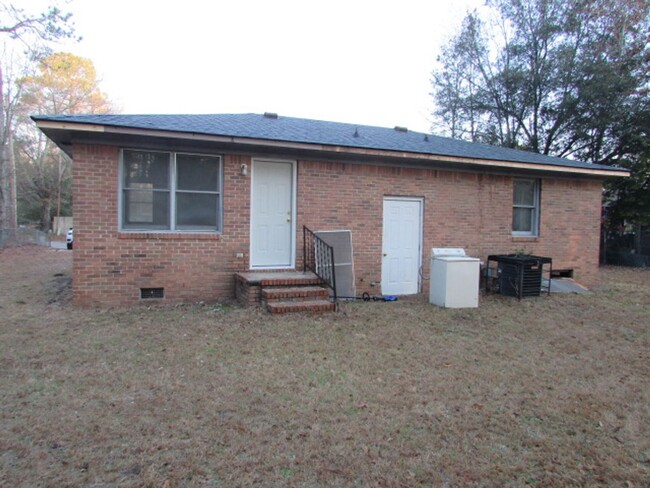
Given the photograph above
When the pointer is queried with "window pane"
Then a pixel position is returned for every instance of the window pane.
(146, 209)
(197, 211)
(524, 192)
(522, 220)
(197, 173)
(146, 170)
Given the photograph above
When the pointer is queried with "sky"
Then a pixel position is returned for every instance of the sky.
(356, 61)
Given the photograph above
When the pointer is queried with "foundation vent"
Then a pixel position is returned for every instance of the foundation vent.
(149, 293)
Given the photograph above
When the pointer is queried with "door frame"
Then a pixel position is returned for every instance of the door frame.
(294, 196)
(419, 200)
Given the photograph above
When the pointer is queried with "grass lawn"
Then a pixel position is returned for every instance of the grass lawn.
(546, 391)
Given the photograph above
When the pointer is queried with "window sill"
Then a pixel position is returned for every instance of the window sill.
(524, 238)
(170, 236)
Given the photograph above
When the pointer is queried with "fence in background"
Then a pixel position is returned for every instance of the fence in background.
(23, 235)
(626, 258)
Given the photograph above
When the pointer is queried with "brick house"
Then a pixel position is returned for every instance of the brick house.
(180, 203)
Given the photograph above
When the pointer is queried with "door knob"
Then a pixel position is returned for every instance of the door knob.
(385, 254)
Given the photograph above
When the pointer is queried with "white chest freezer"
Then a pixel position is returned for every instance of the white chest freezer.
(454, 278)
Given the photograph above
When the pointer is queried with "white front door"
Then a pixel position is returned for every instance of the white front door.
(401, 246)
(272, 214)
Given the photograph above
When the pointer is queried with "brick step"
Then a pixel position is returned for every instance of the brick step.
(303, 306)
(290, 278)
(288, 293)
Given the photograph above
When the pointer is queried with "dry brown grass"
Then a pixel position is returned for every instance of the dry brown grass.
(548, 391)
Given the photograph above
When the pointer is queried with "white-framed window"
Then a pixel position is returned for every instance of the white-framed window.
(170, 191)
(525, 207)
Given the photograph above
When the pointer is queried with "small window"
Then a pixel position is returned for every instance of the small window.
(525, 208)
(170, 191)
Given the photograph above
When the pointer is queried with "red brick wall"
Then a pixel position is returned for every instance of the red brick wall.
(468, 210)
(110, 267)
(460, 210)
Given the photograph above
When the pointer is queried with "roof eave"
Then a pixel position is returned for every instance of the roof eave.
(52, 128)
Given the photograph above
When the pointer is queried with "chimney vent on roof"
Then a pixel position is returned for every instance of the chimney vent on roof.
(356, 133)
(399, 128)
(426, 137)
(270, 115)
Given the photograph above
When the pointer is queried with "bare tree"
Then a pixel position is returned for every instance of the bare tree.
(31, 32)
(62, 83)
(558, 77)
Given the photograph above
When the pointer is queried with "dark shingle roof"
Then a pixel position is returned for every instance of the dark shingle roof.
(291, 129)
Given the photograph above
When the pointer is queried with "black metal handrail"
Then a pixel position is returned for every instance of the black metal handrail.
(318, 257)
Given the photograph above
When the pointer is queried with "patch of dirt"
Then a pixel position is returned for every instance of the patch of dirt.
(549, 391)
(61, 289)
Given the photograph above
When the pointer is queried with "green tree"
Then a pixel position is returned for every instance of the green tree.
(567, 78)
(627, 200)
(63, 84)
(30, 32)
